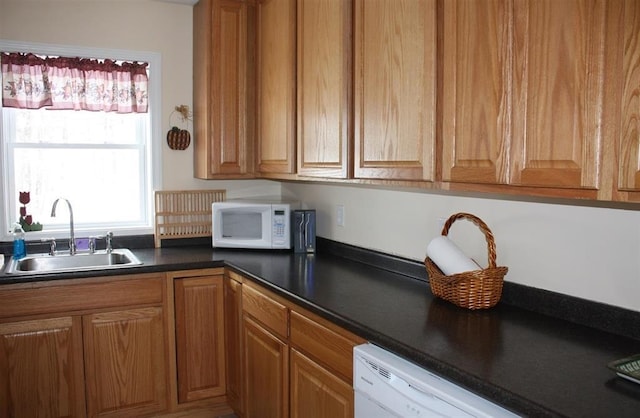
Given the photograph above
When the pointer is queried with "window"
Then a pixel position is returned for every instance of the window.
(104, 163)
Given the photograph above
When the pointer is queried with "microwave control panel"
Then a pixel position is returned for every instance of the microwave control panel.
(279, 227)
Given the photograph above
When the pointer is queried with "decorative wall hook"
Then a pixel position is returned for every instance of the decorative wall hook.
(184, 111)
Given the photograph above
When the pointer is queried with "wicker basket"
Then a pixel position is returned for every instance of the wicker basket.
(477, 289)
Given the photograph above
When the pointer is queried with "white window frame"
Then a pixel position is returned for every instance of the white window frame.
(154, 169)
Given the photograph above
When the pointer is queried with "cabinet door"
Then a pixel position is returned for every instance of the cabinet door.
(233, 334)
(125, 362)
(316, 393)
(324, 86)
(476, 98)
(395, 89)
(266, 362)
(276, 86)
(222, 115)
(558, 86)
(523, 93)
(629, 122)
(41, 370)
(199, 307)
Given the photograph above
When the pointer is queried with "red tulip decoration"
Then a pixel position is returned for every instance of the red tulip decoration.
(24, 197)
(26, 221)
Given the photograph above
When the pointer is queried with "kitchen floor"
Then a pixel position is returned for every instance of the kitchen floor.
(197, 413)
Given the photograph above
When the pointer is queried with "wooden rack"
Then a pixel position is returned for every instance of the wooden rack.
(184, 213)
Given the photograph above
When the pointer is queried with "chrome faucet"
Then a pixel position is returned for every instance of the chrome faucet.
(109, 237)
(72, 238)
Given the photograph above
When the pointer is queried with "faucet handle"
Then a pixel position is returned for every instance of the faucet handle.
(92, 243)
(109, 237)
(52, 245)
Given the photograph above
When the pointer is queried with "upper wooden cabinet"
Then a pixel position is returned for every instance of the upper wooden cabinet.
(529, 97)
(558, 93)
(625, 63)
(324, 88)
(276, 86)
(395, 89)
(477, 105)
(523, 94)
(223, 110)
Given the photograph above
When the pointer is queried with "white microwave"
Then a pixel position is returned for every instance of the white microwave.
(251, 224)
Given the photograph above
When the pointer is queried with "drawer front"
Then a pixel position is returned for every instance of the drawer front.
(265, 310)
(80, 294)
(326, 346)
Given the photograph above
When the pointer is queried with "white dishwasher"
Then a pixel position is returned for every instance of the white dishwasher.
(388, 386)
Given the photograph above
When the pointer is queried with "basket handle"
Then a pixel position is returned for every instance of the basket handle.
(491, 244)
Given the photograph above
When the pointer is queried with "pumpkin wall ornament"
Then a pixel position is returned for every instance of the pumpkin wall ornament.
(179, 139)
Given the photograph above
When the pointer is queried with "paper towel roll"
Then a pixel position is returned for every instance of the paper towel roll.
(448, 257)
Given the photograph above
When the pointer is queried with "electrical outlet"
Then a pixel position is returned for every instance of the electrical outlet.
(340, 215)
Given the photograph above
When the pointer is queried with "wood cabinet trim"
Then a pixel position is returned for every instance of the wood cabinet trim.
(80, 295)
(328, 347)
(266, 310)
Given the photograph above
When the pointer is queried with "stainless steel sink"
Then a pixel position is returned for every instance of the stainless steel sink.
(99, 260)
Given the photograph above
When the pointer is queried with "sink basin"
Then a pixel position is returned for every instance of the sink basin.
(46, 263)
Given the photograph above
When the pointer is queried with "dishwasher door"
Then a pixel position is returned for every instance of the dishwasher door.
(387, 386)
(366, 407)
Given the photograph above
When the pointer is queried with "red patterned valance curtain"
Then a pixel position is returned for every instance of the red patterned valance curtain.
(33, 82)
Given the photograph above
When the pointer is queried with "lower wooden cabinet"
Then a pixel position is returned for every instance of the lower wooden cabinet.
(106, 347)
(266, 364)
(200, 346)
(104, 337)
(125, 362)
(316, 392)
(233, 338)
(296, 364)
(41, 368)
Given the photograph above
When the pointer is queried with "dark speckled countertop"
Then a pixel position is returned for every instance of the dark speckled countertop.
(532, 363)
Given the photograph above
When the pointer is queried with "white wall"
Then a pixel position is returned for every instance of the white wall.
(587, 252)
(142, 25)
